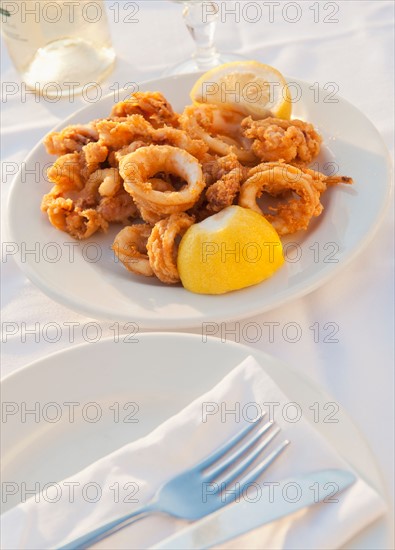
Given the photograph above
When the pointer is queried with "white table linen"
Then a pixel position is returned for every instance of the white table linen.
(356, 53)
(183, 441)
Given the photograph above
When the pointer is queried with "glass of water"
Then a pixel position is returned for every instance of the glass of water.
(201, 20)
(58, 47)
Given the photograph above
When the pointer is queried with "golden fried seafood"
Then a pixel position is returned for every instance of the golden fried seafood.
(227, 174)
(153, 106)
(81, 207)
(139, 167)
(92, 156)
(70, 139)
(148, 215)
(70, 171)
(322, 182)
(180, 139)
(170, 171)
(119, 134)
(115, 156)
(130, 246)
(220, 129)
(104, 191)
(119, 208)
(277, 178)
(123, 136)
(162, 246)
(64, 215)
(105, 182)
(158, 184)
(288, 140)
(66, 175)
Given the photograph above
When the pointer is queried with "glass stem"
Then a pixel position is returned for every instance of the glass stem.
(201, 20)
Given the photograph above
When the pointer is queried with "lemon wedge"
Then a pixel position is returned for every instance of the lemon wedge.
(249, 87)
(233, 249)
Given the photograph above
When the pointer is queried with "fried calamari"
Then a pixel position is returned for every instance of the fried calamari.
(138, 168)
(288, 140)
(299, 191)
(146, 163)
(153, 106)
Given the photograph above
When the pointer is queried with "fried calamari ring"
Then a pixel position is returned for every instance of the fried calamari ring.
(139, 167)
(151, 216)
(130, 246)
(162, 246)
(276, 178)
(219, 129)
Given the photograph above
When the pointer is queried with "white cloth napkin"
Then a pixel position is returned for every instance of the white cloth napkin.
(138, 469)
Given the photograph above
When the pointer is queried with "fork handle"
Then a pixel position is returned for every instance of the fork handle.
(108, 529)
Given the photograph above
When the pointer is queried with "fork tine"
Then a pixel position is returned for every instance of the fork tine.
(256, 472)
(231, 458)
(242, 466)
(228, 445)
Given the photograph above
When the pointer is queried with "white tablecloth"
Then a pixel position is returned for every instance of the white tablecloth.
(357, 53)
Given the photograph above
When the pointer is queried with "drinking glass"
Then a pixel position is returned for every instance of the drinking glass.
(201, 20)
(57, 46)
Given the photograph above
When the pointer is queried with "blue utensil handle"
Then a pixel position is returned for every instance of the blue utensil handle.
(107, 529)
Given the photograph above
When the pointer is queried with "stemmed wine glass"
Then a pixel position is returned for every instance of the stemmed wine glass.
(201, 20)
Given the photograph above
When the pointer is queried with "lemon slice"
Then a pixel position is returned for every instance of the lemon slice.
(249, 87)
(233, 249)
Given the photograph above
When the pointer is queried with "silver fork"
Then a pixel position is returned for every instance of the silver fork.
(182, 496)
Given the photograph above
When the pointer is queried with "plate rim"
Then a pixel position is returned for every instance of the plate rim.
(152, 322)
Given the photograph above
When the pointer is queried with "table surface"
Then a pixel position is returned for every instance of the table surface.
(356, 53)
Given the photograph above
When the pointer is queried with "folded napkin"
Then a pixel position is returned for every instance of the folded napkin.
(137, 470)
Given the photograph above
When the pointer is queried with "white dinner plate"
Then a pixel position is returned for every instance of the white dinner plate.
(86, 277)
(160, 372)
